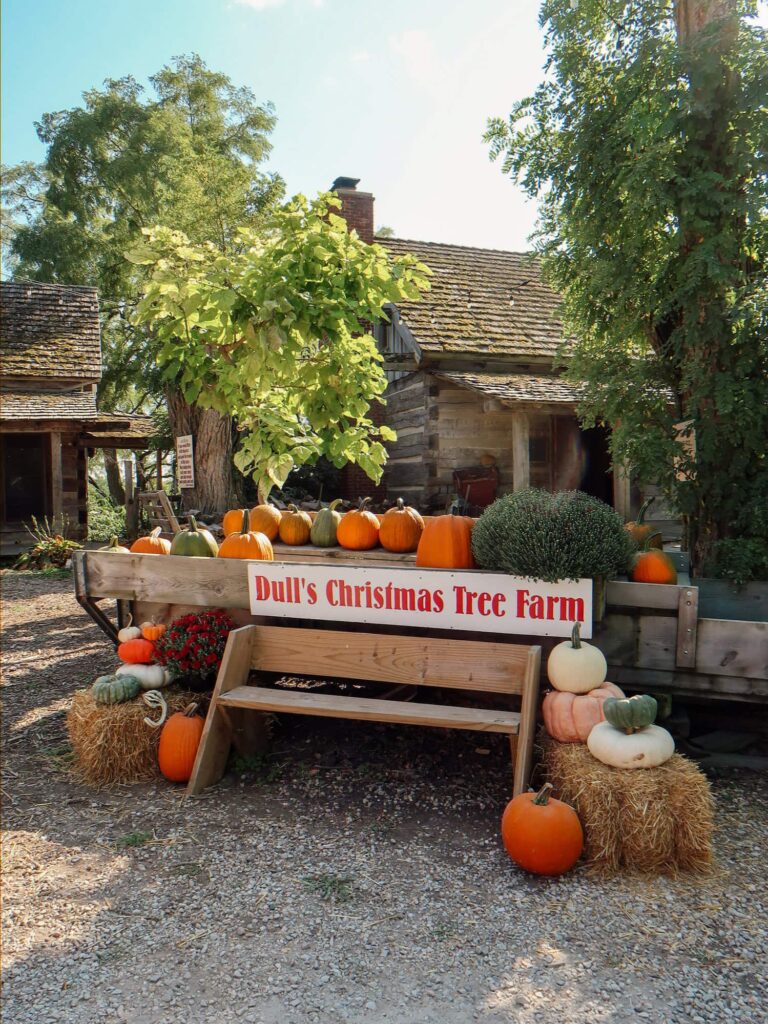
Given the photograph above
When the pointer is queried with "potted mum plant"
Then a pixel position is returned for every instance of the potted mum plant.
(192, 648)
(567, 535)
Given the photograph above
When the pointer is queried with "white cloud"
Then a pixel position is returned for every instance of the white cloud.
(259, 5)
(360, 57)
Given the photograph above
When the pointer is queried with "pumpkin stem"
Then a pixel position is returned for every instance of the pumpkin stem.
(400, 504)
(364, 502)
(156, 532)
(542, 797)
(293, 508)
(576, 635)
(246, 522)
(643, 509)
(189, 710)
(192, 525)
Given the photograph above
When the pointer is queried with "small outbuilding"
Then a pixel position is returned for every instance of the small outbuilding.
(50, 365)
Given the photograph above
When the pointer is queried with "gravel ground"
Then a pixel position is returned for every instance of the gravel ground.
(354, 877)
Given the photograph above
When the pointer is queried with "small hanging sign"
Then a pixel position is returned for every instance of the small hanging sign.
(185, 461)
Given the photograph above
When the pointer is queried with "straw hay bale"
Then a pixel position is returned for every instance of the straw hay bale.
(112, 743)
(650, 820)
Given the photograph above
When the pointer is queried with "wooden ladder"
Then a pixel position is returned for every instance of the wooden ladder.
(466, 665)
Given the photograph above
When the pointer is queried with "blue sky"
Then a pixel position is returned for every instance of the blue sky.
(395, 93)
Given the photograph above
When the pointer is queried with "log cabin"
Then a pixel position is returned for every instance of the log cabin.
(50, 365)
(476, 391)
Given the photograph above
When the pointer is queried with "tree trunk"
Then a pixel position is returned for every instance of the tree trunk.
(114, 480)
(215, 488)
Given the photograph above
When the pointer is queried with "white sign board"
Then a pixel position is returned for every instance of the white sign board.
(185, 461)
(426, 598)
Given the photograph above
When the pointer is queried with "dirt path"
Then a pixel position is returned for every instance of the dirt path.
(355, 878)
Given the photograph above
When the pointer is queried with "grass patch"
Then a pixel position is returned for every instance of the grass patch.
(329, 887)
(262, 767)
(132, 839)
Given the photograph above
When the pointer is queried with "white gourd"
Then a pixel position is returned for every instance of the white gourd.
(128, 632)
(151, 677)
(646, 748)
(575, 666)
(155, 699)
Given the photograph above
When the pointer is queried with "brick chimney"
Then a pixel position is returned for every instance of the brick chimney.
(356, 207)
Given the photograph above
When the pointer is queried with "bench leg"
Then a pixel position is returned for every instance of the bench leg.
(523, 749)
(213, 751)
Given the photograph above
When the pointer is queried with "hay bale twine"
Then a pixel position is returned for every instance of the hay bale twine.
(112, 743)
(651, 820)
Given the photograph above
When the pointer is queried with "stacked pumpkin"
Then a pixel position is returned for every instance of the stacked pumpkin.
(585, 708)
(136, 650)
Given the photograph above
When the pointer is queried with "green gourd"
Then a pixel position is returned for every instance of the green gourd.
(115, 689)
(115, 546)
(194, 541)
(630, 713)
(323, 532)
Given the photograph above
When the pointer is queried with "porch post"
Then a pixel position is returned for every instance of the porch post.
(521, 466)
(57, 486)
(621, 491)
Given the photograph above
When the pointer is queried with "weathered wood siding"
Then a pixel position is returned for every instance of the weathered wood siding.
(409, 469)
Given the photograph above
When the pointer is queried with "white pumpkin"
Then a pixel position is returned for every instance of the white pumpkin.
(128, 632)
(151, 677)
(575, 666)
(645, 748)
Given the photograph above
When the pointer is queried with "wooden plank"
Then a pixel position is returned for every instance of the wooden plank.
(681, 683)
(523, 754)
(687, 618)
(213, 750)
(57, 497)
(661, 596)
(520, 451)
(412, 660)
(720, 599)
(299, 702)
(729, 647)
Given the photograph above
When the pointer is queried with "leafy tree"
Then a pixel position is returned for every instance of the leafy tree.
(646, 146)
(272, 333)
(186, 153)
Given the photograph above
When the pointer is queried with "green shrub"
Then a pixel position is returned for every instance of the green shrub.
(562, 536)
(105, 520)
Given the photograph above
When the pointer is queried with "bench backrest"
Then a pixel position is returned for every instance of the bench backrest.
(413, 660)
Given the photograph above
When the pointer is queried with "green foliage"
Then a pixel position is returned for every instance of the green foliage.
(329, 887)
(564, 536)
(186, 153)
(52, 549)
(273, 334)
(105, 519)
(648, 155)
(133, 839)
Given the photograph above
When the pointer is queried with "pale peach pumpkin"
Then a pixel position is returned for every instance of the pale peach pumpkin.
(570, 717)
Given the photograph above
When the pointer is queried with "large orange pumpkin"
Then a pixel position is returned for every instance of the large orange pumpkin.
(233, 521)
(295, 527)
(541, 834)
(358, 529)
(136, 652)
(178, 745)
(653, 566)
(265, 519)
(446, 543)
(154, 544)
(247, 544)
(570, 717)
(401, 528)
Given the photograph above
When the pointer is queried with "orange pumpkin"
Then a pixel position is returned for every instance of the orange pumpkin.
(358, 529)
(446, 543)
(653, 566)
(401, 528)
(178, 744)
(136, 652)
(233, 521)
(295, 527)
(154, 544)
(247, 544)
(541, 834)
(640, 531)
(152, 630)
(265, 519)
(570, 717)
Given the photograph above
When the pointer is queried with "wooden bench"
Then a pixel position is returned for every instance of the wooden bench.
(489, 668)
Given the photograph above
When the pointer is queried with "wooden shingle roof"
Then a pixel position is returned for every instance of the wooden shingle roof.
(47, 405)
(482, 301)
(514, 388)
(49, 330)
